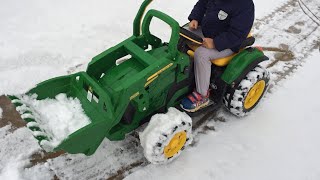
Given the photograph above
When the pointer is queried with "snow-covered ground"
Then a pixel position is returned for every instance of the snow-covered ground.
(265, 7)
(280, 140)
(40, 39)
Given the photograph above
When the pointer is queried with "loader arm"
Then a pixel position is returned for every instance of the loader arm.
(106, 89)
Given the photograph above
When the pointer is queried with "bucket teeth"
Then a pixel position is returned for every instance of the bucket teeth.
(32, 124)
(39, 135)
(16, 101)
(23, 109)
(27, 115)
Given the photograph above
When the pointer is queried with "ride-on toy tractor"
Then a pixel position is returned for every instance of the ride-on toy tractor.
(118, 98)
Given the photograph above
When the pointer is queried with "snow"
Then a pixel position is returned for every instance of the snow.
(278, 141)
(11, 171)
(16, 148)
(163, 124)
(262, 8)
(1, 111)
(18, 80)
(44, 39)
(58, 118)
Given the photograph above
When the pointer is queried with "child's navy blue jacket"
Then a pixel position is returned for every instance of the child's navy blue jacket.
(228, 22)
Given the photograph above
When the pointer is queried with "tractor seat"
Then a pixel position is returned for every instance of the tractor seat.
(223, 61)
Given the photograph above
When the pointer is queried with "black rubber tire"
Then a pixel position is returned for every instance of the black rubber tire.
(235, 97)
(160, 131)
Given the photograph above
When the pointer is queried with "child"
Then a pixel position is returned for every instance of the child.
(225, 25)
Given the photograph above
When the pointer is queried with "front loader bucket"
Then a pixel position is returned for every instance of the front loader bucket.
(97, 108)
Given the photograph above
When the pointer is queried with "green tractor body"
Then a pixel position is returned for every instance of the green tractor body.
(118, 98)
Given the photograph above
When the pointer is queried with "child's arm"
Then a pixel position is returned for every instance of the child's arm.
(198, 11)
(240, 26)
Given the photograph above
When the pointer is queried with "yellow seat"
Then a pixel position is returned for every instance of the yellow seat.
(218, 62)
(223, 61)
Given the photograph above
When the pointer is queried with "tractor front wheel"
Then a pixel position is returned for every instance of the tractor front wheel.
(166, 136)
(246, 95)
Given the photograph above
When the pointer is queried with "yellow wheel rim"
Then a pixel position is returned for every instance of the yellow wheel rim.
(176, 144)
(254, 94)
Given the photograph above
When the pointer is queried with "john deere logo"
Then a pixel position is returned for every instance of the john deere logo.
(222, 15)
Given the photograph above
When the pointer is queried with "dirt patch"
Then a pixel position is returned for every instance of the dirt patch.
(42, 157)
(284, 47)
(286, 56)
(293, 30)
(282, 53)
(301, 23)
(10, 116)
(282, 56)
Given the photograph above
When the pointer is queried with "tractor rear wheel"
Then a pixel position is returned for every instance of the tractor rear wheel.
(245, 96)
(166, 136)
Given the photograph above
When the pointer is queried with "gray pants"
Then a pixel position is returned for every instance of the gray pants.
(202, 66)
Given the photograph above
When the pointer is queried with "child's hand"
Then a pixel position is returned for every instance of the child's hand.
(193, 24)
(208, 43)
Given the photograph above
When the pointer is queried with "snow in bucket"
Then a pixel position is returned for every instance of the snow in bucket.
(57, 118)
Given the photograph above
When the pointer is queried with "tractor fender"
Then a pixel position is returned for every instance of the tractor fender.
(241, 64)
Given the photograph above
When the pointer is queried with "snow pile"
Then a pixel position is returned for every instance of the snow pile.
(58, 118)
(11, 171)
(160, 130)
(0, 113)
(15, 150)
(15, 170)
